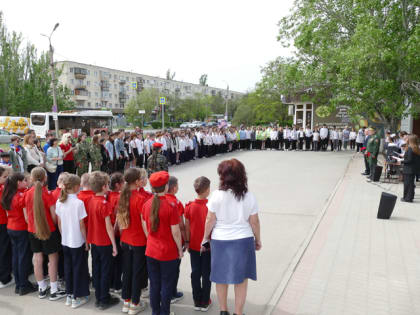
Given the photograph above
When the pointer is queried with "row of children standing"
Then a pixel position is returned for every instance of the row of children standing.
(133, 237)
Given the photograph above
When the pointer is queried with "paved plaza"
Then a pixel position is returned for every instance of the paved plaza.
(292, 188)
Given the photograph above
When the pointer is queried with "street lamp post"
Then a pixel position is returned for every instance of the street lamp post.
(6, 87)
(227, 100)
(55, 106)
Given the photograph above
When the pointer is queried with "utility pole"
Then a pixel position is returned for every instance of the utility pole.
(55, 106)
(227, 100)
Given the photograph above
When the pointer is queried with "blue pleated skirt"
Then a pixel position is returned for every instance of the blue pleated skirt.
(233, 261)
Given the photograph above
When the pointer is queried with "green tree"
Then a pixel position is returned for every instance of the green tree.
(170, 75)
(25, 78)
(146, 100)
(359, 53)
(203, 80)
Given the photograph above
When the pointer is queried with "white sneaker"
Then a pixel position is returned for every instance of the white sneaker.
(69, 299)
(145, 293)
(135, 309)
(126, 307)
(8, 284)
(79, 302)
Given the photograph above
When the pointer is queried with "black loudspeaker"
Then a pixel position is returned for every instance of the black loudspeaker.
(386, 206)
(377, 173)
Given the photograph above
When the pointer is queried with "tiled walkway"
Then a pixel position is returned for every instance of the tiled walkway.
(355, 263)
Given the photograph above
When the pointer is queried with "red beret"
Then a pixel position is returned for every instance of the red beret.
(159, 179)
(157, 145)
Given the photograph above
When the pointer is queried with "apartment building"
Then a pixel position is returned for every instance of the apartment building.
(94, 87)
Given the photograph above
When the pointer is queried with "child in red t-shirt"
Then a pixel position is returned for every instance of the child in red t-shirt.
(5, 248)
(133, 240)
(116, 184)
(102, 239)
(43, 235)
(13, 201)
(164, 249)
(195, 220)
(172, 191)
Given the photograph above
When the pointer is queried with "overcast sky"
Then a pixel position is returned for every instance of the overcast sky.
(229, 40)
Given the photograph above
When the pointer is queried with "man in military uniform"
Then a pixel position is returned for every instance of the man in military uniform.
(156, 162)
(82, 155)
(95, 154)
(372, 151)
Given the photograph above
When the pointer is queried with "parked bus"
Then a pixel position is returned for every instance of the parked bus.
(77, 121)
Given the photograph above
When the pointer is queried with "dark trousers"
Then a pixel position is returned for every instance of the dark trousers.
(200, 276)
(162, 278)
(5, 255)
(76, 271)
(258, 144)
(367, 166)
(268, 143)
(101, 271)
(175, 289)
(324, 144)
(372, 166)
(294, 142)
(139, 160)
(53, 177)
(242, 143)
(134, 272)
(409, 186)
(308, 141)
(68, 166)
(287, 144)
(281, 143)
(301, 143)
(21, 257)
(275, 144)
(116, 268)
(352, 144)
(121, 163)
(359, 147)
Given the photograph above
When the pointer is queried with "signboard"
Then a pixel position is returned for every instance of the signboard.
(339, 117)
(142, 111)
(134, 85)
(55, 117)
(291, 110)
(162, 101)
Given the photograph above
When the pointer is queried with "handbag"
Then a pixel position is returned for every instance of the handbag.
(51, 168)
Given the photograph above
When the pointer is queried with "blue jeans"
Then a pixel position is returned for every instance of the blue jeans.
(53, 177)
(22, 257)
(162, 276)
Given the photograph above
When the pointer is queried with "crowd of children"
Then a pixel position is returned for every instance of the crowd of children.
(135, 238)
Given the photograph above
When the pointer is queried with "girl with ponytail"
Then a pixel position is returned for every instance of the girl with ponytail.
(71, 213)
(113, 197)
(133, 240)
(5, 247)
(43, 236)
(12, 202)
(164, 247)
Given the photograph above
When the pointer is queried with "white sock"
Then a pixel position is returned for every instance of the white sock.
(42, 285)
(54, 287)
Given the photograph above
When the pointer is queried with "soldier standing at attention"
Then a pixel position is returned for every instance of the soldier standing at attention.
(156, 162)
(95, 154)
(372, 150)
(82, 156)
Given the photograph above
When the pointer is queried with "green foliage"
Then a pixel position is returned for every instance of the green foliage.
(203, 80)
(25, 78)
(360, 53)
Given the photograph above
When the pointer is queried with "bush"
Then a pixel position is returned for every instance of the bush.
(156, 124)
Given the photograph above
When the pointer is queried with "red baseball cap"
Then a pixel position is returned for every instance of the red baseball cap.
(157, 145)
(159, 179)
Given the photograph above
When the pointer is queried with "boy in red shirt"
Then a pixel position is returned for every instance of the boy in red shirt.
(170, 196)
(195, 220)
(102, 240)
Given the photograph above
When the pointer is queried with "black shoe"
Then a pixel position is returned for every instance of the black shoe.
(57, 295)
(111, 302)
(364, 173)
(17, 290)
(403, 200)
(42, 294)
(97, 304)
(224, 313)
(28, 289)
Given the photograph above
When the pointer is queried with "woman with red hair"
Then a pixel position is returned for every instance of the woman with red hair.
(233, 224)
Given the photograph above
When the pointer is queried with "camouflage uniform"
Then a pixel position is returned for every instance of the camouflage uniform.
(372, 150)
(160, 164)
(82, 157)
(95, 157)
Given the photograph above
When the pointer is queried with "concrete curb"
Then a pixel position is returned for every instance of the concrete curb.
(275, 298)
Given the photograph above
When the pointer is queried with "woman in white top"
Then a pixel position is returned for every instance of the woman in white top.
(352, 138)
(34, 157)
(233, 224)
(140, 150)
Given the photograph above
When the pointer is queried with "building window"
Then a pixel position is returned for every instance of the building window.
(71, 70)
(110, 95)
(115, 86)
(96, 94)
(121, 105)
(88, 104)
(96, 73)
(88, 72)
(88, 83)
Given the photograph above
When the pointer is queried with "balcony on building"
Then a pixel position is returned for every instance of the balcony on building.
(105, 86)
(81, 94)
(122, 96)
(123, 81)
(80, 73)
